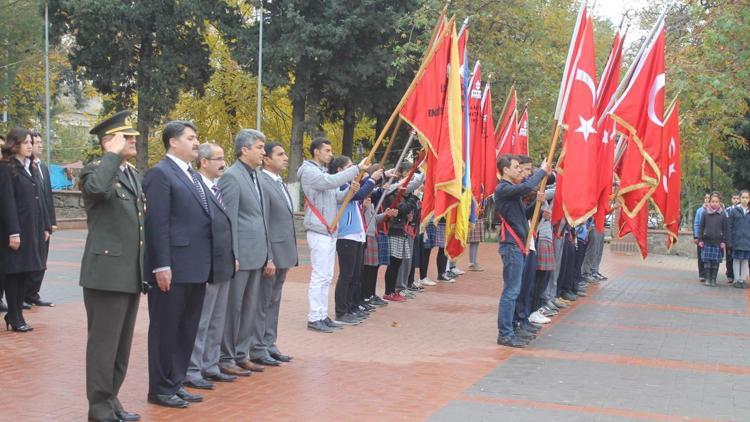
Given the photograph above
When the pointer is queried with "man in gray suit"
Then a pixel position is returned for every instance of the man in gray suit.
(204, 362)
(280, 220)
(247, 207)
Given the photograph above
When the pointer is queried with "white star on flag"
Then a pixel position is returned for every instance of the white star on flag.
(586, 127)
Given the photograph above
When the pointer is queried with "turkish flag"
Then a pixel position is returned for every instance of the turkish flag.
(667, 195)
(605, 164)
(639, 111)
(506, 131)
(610, 75)
(638, 226)
(604, 93)
(575, 44)
(581, 143)
(521, 145)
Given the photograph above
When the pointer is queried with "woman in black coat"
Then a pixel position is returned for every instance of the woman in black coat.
(25, 223)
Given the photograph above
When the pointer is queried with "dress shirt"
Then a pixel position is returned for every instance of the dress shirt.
(276, 178)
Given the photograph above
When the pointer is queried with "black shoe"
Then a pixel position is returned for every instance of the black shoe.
(601, 276)
(569, 296)
(524, 334)
(360, 314)
(168, 401)
(267, 361)
(319, 326)
(281, 358)
(192, 398)
(367, 307)
(512, 341)
(128, 416)
(39, 302)
(26, 306)
(529, 326)
(377, 301)
(347, 319)
(581, 293)
(329, 323)
(200, 384)
(221, 377)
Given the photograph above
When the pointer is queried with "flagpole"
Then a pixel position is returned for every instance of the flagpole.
(505, 105)
(543, 185)
(388, 124)
(389, 147)
(390, 179)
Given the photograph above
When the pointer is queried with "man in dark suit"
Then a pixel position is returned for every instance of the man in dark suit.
(246, 203)
(178, 260)
(204, 362)
(283, 238)
(111, 264)
(45, 185)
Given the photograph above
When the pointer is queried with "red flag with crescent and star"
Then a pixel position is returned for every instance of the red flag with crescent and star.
(667, 195)
(639, 112)
(581, 143)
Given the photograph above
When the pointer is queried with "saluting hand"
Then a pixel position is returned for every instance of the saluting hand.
(164, 280)
(115, 145)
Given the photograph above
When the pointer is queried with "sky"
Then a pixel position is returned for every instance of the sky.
(615, 9)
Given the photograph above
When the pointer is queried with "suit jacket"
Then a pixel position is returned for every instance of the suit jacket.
(113, 256)
(222, 264)
(27, 217)
(280, 223)
(247, 213)
(178, 228)
(46, 189)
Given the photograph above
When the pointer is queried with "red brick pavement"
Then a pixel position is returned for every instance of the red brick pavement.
(405, 362)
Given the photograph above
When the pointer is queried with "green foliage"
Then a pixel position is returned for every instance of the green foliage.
(142, 52)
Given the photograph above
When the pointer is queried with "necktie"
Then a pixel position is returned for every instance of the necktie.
(255, 182)
(130, 178)
(199, 188)
(286, 195)
(217, 194)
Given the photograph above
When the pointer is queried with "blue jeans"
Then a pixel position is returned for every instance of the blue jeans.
(513, 260)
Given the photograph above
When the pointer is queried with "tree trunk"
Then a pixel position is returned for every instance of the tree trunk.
(347, 139)
(141, 142)
(295, 143)
(144, 112)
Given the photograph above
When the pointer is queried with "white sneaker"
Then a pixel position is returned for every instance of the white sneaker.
(427, 282)
(457, 271)
(417, 283)
(538, 318)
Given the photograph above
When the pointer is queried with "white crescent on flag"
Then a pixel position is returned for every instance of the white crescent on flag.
(584, 77)
(658, 85)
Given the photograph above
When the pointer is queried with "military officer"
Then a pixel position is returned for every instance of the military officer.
(111, 265)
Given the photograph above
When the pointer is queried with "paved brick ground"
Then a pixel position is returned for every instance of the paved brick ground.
(650, 344)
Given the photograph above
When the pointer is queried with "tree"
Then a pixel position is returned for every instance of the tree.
(336, 57)
(142, 53)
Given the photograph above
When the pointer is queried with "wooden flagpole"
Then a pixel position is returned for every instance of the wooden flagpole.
(507, 100)
(396, 111)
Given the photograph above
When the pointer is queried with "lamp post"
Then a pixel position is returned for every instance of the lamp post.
(260, 65)
(47, 129)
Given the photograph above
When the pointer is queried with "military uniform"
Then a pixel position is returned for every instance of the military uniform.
(111, 270)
